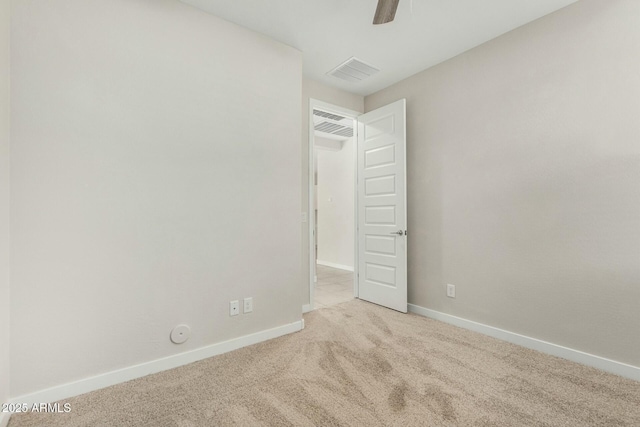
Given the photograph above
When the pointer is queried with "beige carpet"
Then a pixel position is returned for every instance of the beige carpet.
(357, 364)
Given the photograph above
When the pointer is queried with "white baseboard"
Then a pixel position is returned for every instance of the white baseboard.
(4, 419)
(306, 308)
(618, 368)
(334, 265)
(137, 371)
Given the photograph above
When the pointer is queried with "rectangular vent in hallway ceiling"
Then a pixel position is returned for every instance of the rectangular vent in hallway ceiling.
(327, 115)
(353, 70)
(334, 129)
(333, 124)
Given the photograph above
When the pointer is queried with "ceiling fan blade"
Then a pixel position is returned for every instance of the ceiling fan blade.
(385, 12)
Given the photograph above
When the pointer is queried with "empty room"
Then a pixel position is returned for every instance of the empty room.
(319, 213)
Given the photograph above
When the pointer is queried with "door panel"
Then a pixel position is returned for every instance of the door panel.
(382, 208)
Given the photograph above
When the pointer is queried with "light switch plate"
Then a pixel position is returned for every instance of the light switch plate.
(248, 305)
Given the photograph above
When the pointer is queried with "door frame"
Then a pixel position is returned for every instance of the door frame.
(315, 104)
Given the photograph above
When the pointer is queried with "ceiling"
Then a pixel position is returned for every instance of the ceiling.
(424, 33)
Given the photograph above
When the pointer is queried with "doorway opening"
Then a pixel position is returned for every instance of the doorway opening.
(379, 203)
(332, 205)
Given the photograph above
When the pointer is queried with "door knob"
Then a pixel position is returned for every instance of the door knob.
(399, 232)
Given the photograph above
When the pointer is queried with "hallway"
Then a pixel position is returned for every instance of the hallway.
(334, 286)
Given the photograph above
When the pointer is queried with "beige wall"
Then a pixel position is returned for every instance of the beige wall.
(4, 200)
(320, 92)
(335, 195)
(148, 186)
(524, 180)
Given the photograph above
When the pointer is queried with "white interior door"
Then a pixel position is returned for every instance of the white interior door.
(382, 206)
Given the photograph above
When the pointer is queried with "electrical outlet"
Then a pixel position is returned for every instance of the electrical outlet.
(248, 305)
(451, 291)
(234, 308)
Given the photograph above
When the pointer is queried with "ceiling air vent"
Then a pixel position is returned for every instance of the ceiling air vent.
(353, 70)
(334, 129)
(332, 125)
(327, 115)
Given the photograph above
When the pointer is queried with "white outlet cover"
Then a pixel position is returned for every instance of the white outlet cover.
(180, 334)
(234, 308)
(451, 291)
